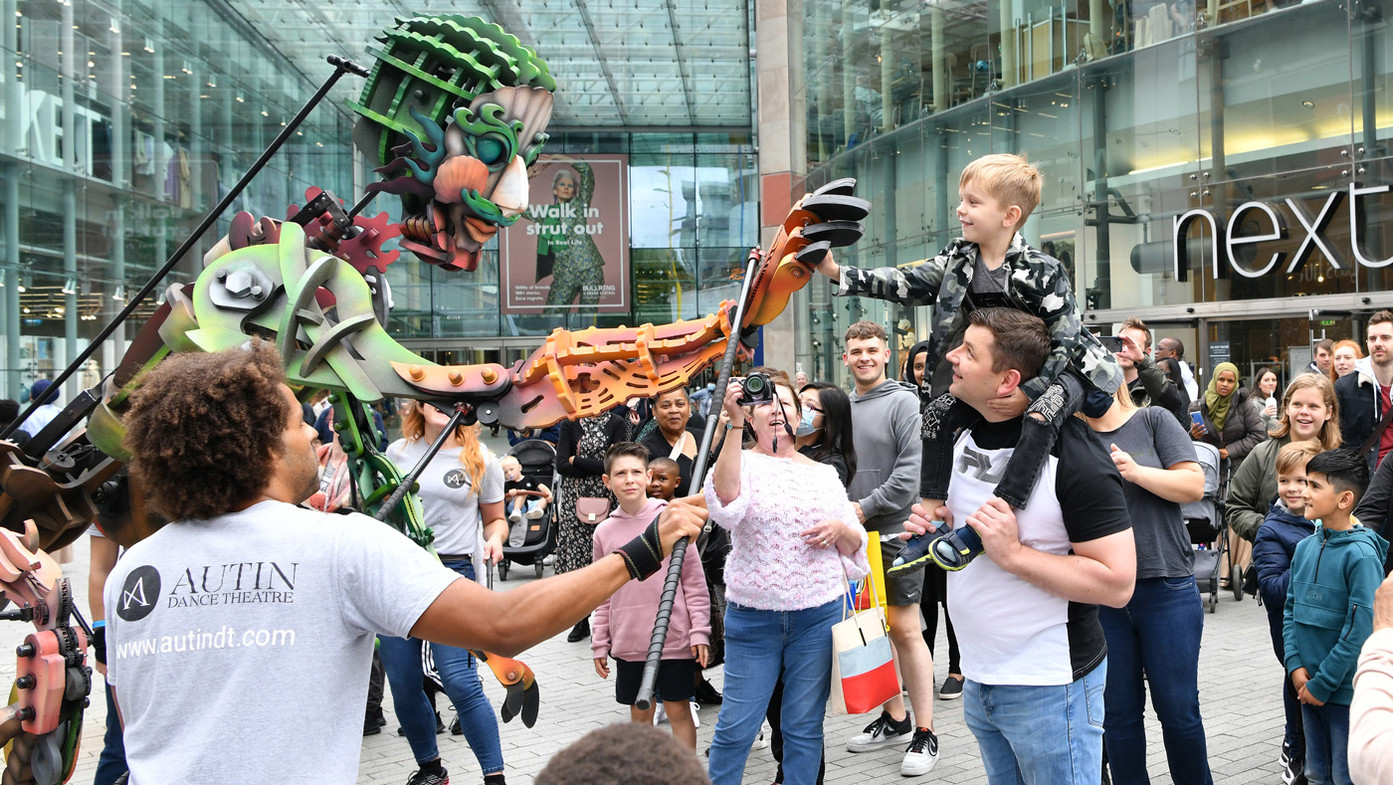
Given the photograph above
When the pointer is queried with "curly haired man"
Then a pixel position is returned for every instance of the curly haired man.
(241, 634)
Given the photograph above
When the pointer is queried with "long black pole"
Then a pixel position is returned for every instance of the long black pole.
(679, 548)
(341, 67)
(415, 473)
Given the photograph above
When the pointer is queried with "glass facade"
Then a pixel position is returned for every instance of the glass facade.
(1220, 170)
(127, 120)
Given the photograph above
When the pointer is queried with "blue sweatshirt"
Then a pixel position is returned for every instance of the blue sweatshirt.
(1329, 610)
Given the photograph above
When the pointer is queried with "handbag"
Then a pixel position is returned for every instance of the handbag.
(592, 509)
(863, 668)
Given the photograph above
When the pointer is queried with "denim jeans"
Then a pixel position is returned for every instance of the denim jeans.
(1327, 743)
(1039, 735)
(1155, 637)
(761, 646)
(459, 673)
(112, 763)
(948, 415)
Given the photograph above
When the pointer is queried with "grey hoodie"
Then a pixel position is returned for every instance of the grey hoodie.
(885, 429)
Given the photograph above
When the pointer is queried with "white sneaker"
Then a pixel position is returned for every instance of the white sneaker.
(515, 516)
(761, 741)
(659, 714)
(881, 733)
(535, 513)
(922, 754)
(696, 718)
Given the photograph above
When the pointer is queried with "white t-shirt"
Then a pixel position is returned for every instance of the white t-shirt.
(240, 646)
(447, 498)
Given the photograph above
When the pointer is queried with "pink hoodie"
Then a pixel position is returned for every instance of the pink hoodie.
(624, 623)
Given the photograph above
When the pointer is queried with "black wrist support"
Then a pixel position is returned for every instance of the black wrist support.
(643, 555)
(99, 644)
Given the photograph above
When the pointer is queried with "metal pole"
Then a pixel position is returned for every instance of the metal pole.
(341, 66)
(410, 479)
(679, 548)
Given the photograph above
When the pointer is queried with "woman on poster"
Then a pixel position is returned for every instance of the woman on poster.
(565, 248)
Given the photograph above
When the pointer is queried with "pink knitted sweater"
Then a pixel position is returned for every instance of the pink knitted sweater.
(770, 567)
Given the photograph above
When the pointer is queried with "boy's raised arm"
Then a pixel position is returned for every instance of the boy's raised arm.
(909, 286)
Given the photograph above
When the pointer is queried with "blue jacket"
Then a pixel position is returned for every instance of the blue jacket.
(1329, 610)
(1272, 550)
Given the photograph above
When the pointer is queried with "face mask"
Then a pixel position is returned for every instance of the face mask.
(805, 425)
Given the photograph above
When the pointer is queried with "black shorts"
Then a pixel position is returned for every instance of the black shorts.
(676, 680)
(904, 589)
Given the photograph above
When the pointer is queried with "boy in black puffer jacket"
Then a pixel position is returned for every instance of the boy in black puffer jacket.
(1276, 541)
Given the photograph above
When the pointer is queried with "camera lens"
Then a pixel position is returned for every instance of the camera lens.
(755, 384)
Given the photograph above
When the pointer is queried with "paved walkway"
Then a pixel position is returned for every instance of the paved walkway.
(1239, 691)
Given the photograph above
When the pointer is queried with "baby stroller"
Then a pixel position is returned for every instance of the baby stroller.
(535, 538)
(1204, 520)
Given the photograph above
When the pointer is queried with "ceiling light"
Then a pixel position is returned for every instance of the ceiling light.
(149, 45)
(70, 286)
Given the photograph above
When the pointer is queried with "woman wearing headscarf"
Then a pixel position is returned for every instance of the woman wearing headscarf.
(1232, 424)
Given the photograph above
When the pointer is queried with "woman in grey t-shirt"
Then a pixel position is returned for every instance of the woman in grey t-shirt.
(1157, 635)
(462, 501)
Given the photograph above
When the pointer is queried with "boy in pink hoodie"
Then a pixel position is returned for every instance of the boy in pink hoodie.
(623, 625)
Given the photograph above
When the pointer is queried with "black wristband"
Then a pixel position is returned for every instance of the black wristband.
(643, 555)
(99, 644)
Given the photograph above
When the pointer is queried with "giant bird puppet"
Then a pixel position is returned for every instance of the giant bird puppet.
(454, 110)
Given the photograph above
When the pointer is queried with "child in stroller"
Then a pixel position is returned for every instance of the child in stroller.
(524, 496)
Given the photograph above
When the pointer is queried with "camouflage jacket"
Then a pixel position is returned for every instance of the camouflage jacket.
(1037, 284)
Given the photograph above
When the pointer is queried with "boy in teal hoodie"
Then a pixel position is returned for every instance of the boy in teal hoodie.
(1329, 609)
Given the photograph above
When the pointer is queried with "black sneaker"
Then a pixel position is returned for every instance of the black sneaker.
(952, 689)
(370, 727)
(883, 732)
(455, 728)
(579, 632)
(422, 777)
(922, 754)
(706, 694)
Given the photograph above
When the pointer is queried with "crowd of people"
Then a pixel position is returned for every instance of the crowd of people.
(1025, 478)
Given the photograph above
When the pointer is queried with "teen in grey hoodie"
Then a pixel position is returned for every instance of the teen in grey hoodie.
(885, 429)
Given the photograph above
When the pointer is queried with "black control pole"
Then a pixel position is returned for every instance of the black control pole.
(341, 66)
(679, 548)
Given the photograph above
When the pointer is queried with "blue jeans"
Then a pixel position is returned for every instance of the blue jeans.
(1327, 743)
(459, 673)
(1039, 735)
(112, 762)
(761, 646)
(1156, 637)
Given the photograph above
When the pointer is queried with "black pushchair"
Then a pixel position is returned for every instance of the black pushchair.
(531, 540)
(1204, 520)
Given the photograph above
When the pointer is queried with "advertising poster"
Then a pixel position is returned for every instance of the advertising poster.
(571, 247)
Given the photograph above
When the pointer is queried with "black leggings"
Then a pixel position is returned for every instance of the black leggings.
(935, 594)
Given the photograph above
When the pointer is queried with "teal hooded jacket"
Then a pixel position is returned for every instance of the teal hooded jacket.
(1330, 607)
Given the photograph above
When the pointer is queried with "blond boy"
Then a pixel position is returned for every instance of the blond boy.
(992, 266)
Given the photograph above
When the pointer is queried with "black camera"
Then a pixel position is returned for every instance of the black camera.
(756, 390)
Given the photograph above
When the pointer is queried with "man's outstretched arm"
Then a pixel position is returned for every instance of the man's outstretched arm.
(469, 616)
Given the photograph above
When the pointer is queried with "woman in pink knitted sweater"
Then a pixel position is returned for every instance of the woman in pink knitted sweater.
(795, 540)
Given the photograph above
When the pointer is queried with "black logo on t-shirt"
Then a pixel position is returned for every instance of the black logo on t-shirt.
(455, 478)
(139, 594)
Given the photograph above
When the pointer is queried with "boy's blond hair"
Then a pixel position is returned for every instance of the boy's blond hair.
(1295, 455)
(1009, 179)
